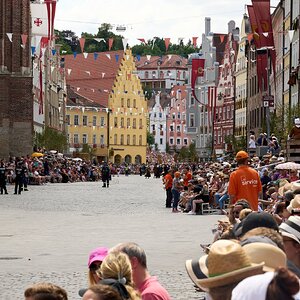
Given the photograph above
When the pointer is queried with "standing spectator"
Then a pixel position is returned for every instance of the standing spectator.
(19, 177)
(244, 183)
(176, 188)
(3, 178)
(168, 183)
(105, 175)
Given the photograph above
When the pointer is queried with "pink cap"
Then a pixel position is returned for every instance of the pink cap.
(97, 254)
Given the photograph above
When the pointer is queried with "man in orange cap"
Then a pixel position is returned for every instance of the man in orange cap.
(244, 183)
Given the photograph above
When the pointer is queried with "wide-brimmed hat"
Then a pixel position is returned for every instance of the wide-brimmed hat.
(227, 262)
(284, 188)
(295, 187)
(291, 228)
(264, 251)
(294, 204)
(197, 269)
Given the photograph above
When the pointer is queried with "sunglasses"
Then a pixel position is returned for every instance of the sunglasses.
(93, 267)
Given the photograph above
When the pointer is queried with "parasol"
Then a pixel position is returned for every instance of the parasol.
(37, 154)
(288, 166)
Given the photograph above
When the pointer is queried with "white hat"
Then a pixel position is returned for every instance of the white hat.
(297, 121)
(291, 228)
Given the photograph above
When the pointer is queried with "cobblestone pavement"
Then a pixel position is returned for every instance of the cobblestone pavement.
(47, 233)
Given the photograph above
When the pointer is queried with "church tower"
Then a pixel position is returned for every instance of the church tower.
(16, 99)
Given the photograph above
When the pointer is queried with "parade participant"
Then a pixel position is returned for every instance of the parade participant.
(105, 174)
(117, 266)
(3, 178)
(96, 258)
(187, 176)
(45, 291)
(244, 183)
(147, 285)
(176, 188)
(168, 183)
(295, 131)
(25, 175)
(19, 177)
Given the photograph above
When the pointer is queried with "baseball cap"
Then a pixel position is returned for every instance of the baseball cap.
(241, 155)
(258, 219)
(97, 254)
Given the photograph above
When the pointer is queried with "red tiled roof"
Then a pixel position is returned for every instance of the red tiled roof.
(165, 62)
(86, 75)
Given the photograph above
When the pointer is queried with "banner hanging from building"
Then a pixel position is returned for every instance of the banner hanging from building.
(198, 65)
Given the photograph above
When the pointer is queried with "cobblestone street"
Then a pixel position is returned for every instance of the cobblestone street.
(47, 233)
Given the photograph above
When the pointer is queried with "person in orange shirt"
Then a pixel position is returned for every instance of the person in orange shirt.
(187, 176)
(168, 182)
(244, 183)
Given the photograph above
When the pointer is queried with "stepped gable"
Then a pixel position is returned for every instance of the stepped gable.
(165, 101)
(91, 85)
(181, 88)
(176, 61)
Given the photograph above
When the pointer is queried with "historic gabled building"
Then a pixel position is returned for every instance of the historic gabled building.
(176, 119)
(16, 101)
(224, 110)
(162, 72)
(109, 79)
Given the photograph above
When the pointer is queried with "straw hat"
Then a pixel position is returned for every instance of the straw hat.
(284, 188)
(271, 255)
(294, 204)
(227, 262)
(295, 187)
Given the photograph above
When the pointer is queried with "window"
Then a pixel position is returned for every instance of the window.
(171, 128)
(140, 124)
(134, 124)
(116, 122)
(128, 139)
(192, 102)
(134, 103)
(68, 138)
(68, 119)
(140, 140)
(122, 102)
(185, 142)
(84, 120)
(128, 122)
(102, 123)
(94, 122)
(161, 141)
(178, 115)
(178, 142)
(178, 128)
(84, 139)
(160, 115)
(76, 120)
(76, 138)
(192, 120)
(101, 139)
(122, 122)
(134, 140)
(173, 116)
(115, 139)
(146, 75)
(122, 139)
(94, 139)
(171, 141)
(128, 103)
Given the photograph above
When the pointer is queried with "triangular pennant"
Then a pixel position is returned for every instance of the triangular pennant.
(24, 38)
(99, 39)
(265, 34)
(32, 50)
(96, 55)
(110, 43)
(37, 40)
(74, 54)
(103, 74)
(167, 43)
(138, 57)
(195, 38)
(85, 55)
(291, 35)
(222, 36)
(69, 71)
(142, 40)
(117, 57)
(148, 57)
(108, 56)
(9, 35)
(77, 89)
(82, 42)
(169, 56)
(127, 57)
(124, 41)
(88, 72)
(53, 52)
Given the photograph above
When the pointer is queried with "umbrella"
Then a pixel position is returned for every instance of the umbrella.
(77, 159)
(288, 166)
(37, 154)
(53, 151)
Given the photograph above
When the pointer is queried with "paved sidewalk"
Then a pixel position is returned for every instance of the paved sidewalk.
(47, 233)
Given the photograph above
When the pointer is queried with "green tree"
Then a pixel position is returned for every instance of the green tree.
(51, 139)
(150, 139)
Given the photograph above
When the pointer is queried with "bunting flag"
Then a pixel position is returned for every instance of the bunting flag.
(103, 74)
(108, 56)
(24, 38)
(88, 72)
(138, 57)
(222, 36)
(82, 43)
(117, 57)
(110, 43)
(39, 19)
(99, 40)
(142, 40)
(96, 55)
(195, 38)
(69, 71)
(53, 52)
(291, 35)
(167, 43)
(148, 57)
(74, 54)
(197, 71)
(125, 42)
(32, 50)
(85, 55)
(169, 56)
(9, 35)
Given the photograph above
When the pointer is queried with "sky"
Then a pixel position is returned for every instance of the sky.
(147, 19)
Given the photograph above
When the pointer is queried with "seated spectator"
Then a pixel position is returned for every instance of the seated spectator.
(203, 196)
